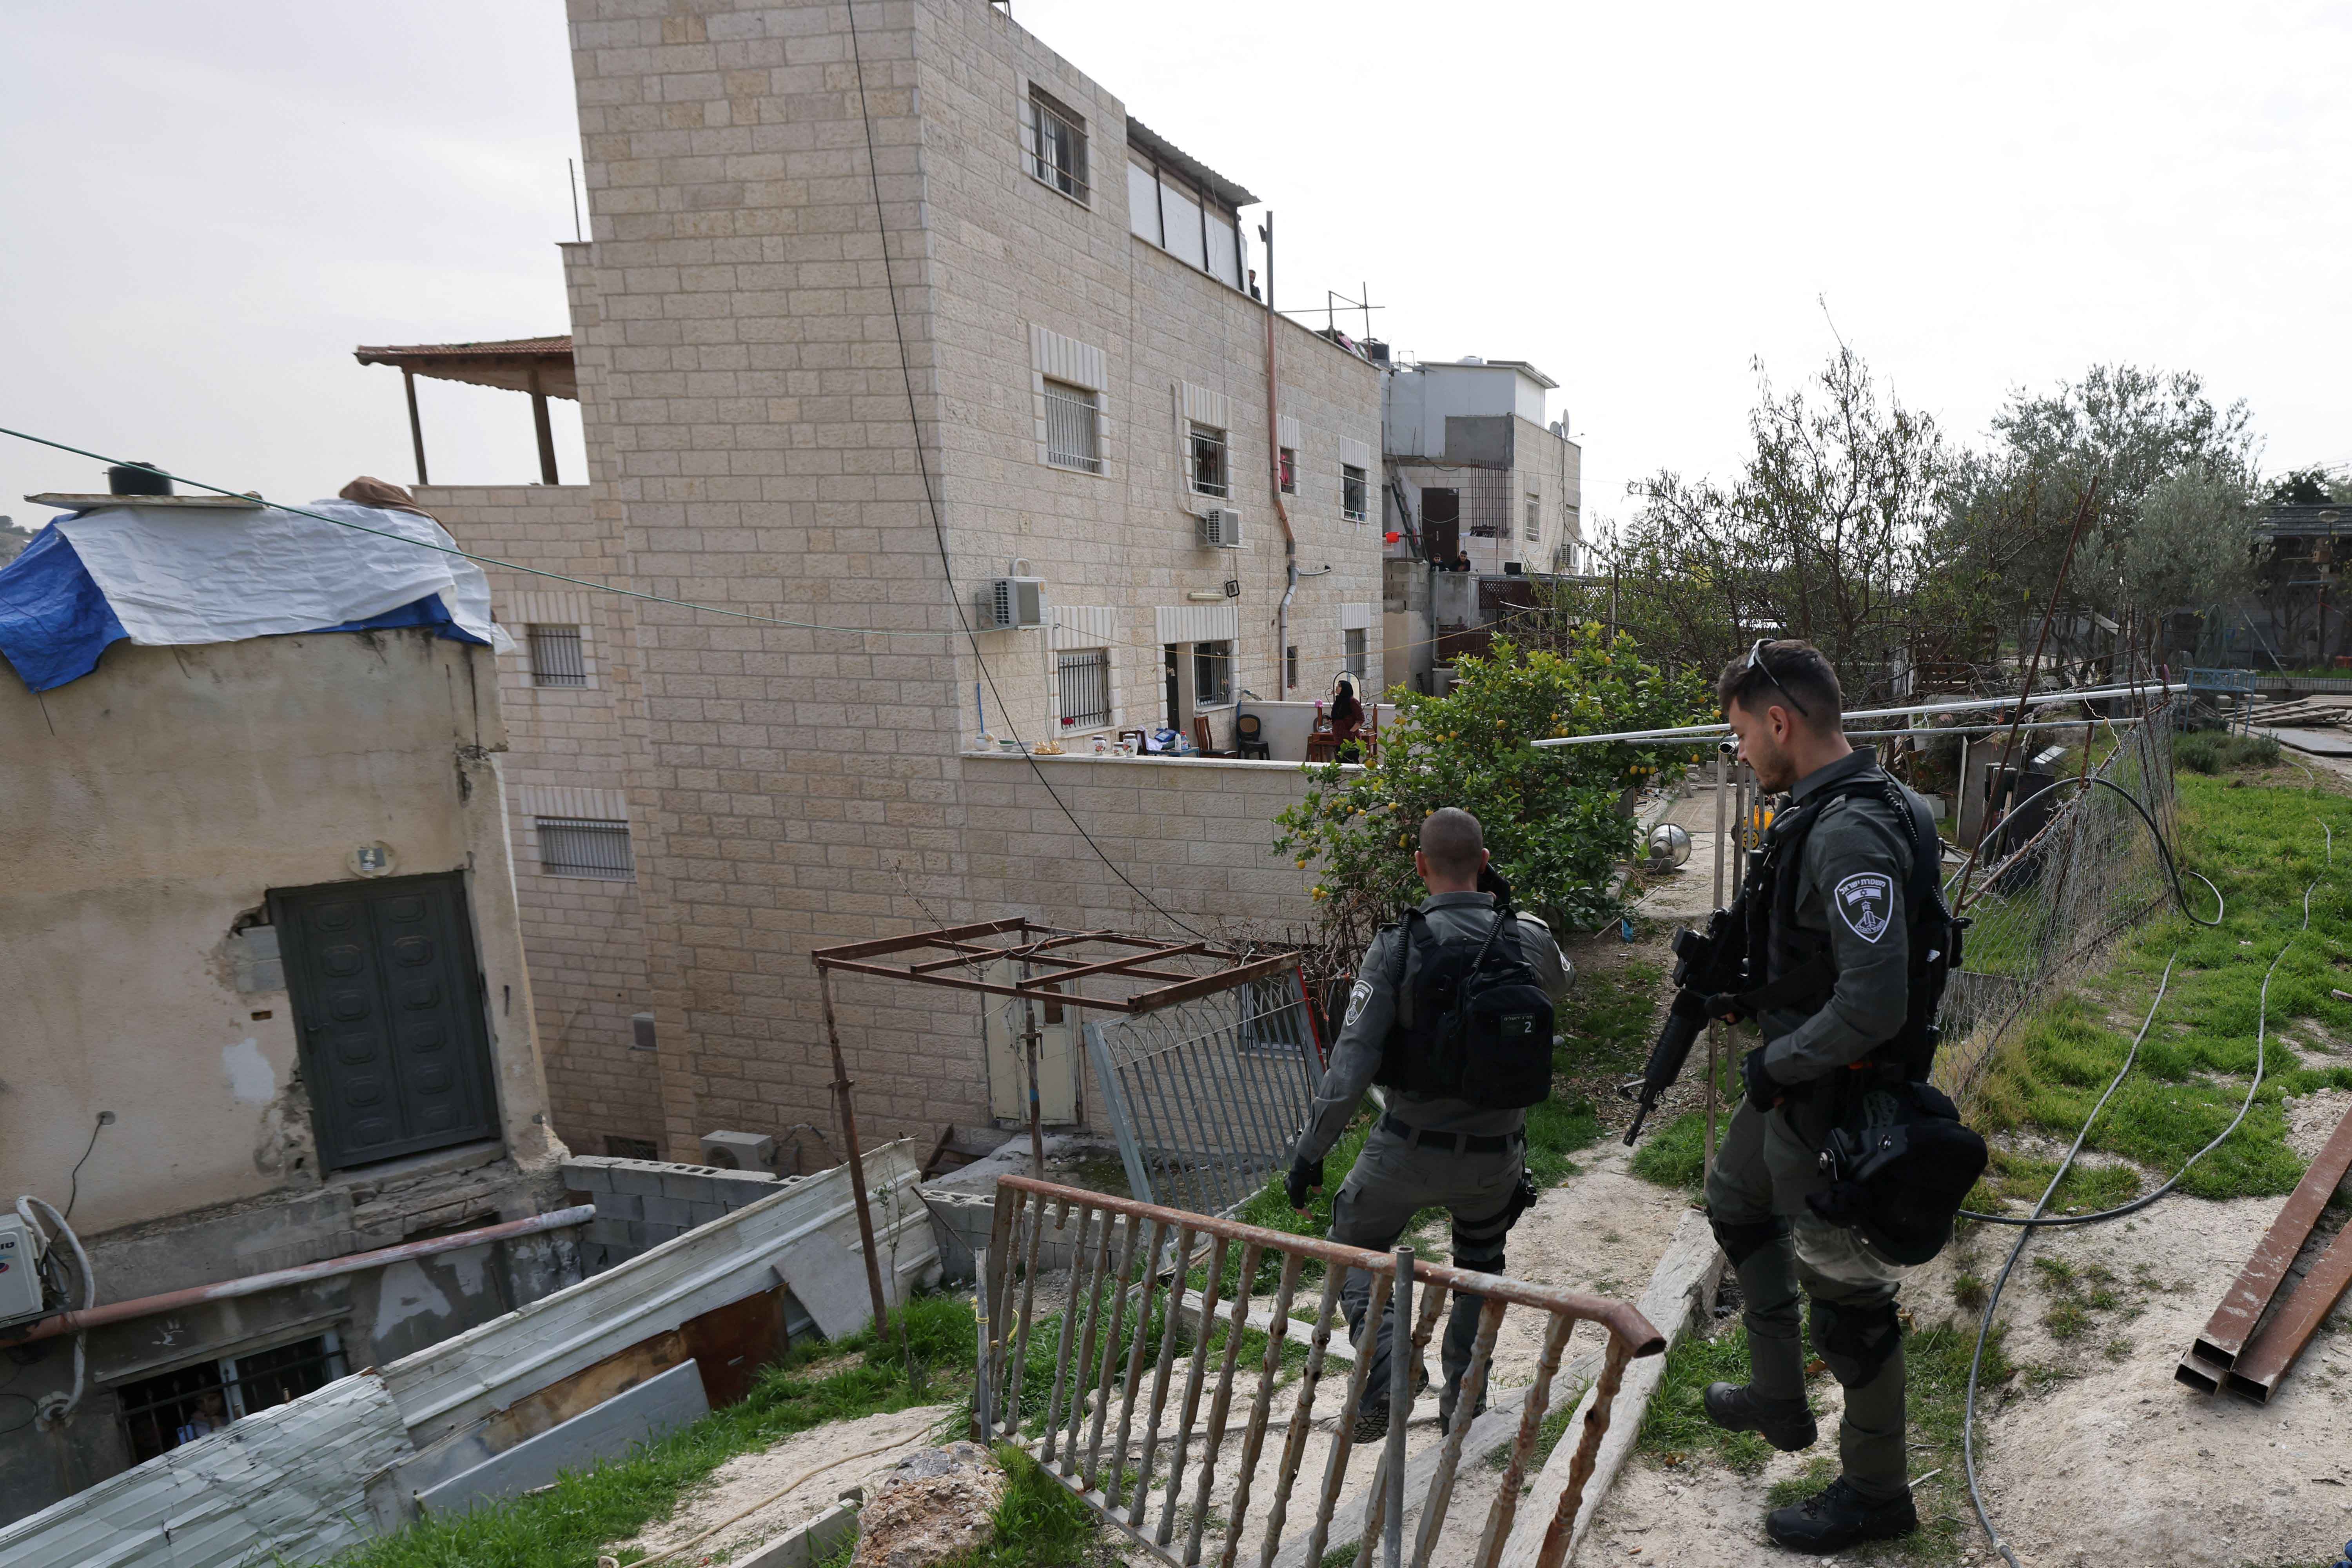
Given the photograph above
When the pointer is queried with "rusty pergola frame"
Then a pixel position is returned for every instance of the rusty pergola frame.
(1142, 959)
(1136, 960)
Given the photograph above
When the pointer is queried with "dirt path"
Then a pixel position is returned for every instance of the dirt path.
(746, 1478)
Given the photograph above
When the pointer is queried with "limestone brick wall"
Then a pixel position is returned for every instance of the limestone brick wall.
(569, 758)
(1015, 256)
(752, 445)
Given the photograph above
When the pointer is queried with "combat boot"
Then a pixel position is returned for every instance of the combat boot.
(1838, 1517)
(1787, 1424)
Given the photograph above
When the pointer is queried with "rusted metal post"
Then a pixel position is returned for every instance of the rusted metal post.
(540, 427)
(850, 1151)
(1036, 1114)
(1400, 1408)
(415, 425)
(1714, 1029)
(1562, 1527)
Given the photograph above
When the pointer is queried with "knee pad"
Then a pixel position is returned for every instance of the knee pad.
(1741, 1242)
(1483, 1255)
(1856, 1340)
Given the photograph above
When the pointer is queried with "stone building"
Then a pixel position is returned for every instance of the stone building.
(1474, 472)
(1027, 476)
(267, 1000)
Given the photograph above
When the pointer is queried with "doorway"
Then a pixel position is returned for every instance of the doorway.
(1174, 683)
(388, 1002)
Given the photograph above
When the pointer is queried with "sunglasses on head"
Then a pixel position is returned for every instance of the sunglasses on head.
(1756, 664)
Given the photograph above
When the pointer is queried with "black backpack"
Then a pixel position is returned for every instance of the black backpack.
(1482, 1023)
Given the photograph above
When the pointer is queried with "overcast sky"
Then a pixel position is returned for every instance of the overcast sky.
(207, 207)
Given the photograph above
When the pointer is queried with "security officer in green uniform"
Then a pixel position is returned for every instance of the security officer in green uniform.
(1428, 1150)
(1838, 913)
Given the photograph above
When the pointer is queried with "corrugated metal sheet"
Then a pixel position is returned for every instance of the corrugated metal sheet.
(289, 1484)
(462, 1380)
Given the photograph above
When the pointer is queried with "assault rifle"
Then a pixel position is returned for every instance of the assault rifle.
(1707, 968)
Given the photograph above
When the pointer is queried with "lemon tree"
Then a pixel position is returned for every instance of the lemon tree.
(1552, 814)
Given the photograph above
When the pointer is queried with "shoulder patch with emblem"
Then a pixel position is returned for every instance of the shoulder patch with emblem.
(1356, 1000)
(1865, 901)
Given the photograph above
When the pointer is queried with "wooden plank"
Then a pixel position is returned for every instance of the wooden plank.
(1683, 1285)
(606, 1431)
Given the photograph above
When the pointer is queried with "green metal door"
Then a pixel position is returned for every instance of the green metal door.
(387, 996)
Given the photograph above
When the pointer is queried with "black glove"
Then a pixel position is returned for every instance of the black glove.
(1762, 1090)
(1303, 1174)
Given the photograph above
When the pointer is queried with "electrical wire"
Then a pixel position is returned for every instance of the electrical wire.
(2163, 849)
(1992, 1303)
(480, 560)
(73, 1189)
(930, 498)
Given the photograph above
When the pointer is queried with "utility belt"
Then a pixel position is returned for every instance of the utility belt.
(1450, 1142)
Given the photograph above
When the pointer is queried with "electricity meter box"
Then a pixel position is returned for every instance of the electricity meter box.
(20, 1269)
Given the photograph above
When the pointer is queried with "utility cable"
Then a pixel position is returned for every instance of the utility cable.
(1992, 1303)
(73, 1191)
(930, 497)
(2163, 847)
(470, 555)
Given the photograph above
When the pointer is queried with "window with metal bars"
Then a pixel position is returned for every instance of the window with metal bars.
(1535, 516)
(1351, 493)
(1213, 674)
(161, 1412)
(1290, 470)
(1072, 428)
(1084, 677)
(576, 846)
(619, 1148)
(1057, 146)
(1208, 461)
(557, 656)
(1353, 641)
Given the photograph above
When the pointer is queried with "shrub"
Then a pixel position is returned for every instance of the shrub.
(1552, 816)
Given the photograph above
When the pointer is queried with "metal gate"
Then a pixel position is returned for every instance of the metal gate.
(1206, 1098)
(1117, 1331)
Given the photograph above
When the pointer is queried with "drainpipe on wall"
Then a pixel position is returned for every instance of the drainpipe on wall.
(1273, 477)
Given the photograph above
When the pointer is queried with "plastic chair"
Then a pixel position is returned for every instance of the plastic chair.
(1249, 738)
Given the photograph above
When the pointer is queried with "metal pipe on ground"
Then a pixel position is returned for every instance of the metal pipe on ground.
(302, 1274)
(2212, 1358)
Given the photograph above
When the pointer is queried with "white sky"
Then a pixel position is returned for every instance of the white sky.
(206, 207)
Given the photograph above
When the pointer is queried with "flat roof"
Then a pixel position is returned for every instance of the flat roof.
(1143, 138)
(507, 363)
(1522, 366)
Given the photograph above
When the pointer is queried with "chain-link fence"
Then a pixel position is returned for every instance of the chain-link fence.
(2056, 881)
(1206, 1097)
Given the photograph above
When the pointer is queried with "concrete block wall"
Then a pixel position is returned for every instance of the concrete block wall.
(640, 1203)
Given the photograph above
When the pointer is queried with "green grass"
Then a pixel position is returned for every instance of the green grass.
(2217, 752)
(1676, 1425)
(1937, 1370)
(1611, 1017)
(1039, 1524)
(1675, 1155)
(2262, 845)
(565, 1527)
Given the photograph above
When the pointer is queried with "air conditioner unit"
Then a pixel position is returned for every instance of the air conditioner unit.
(1012, 603)
(1221, 528)
(739, 1150)
(20, 1269)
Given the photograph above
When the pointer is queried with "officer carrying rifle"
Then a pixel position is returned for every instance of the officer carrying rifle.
(1452, 1013)
(1841, 1165)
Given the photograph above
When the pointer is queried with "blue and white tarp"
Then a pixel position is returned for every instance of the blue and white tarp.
(163, 576)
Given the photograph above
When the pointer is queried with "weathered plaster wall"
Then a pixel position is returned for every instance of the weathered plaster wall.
(151, 808)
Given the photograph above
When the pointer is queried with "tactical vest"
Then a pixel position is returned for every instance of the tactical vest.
(1476, 1024)
(1798, 967)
